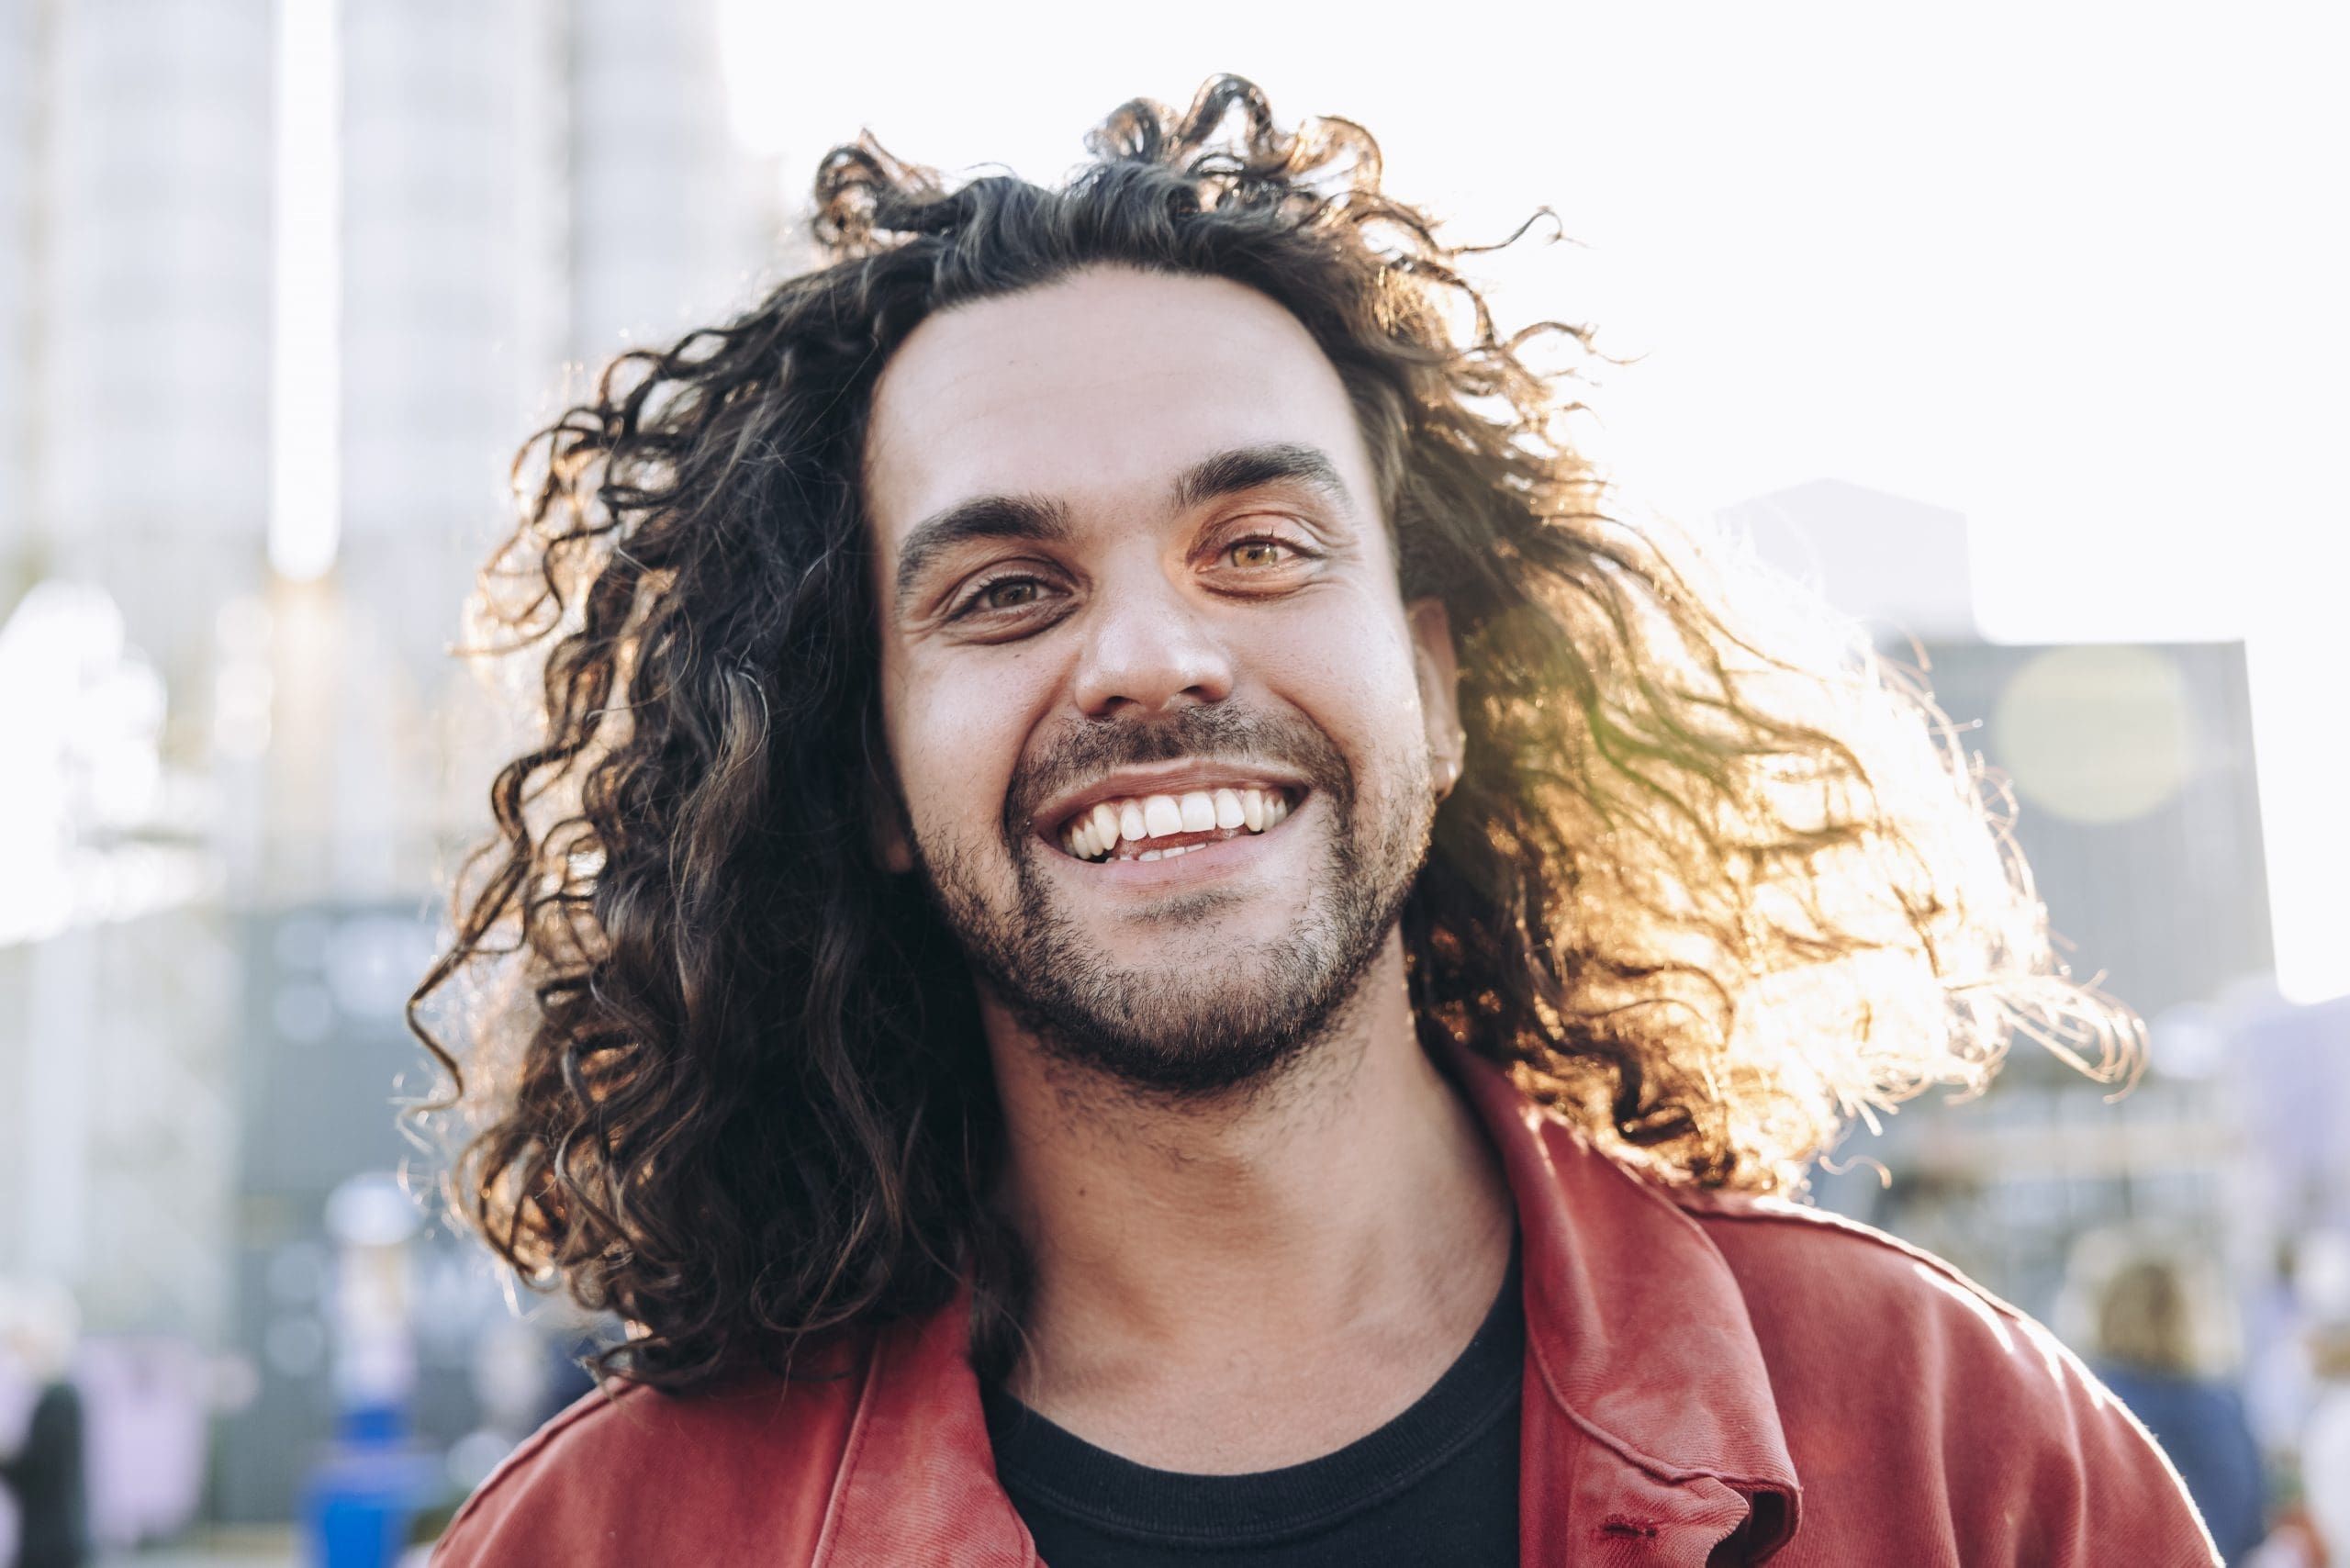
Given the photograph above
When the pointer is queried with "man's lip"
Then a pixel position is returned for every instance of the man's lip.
(1167, 779)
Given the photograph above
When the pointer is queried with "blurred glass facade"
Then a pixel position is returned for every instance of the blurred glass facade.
(232, 798)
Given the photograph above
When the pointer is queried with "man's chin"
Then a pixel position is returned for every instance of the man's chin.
(1189, 1070)
(1171, 1034)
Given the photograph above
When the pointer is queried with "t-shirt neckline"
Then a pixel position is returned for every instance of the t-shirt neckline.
(1043, 1465)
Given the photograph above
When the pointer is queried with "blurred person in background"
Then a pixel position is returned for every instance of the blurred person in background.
(2313, 1527)
(2325, 1441)
(2148, 1350)
(1142, 933)
(44, 1467)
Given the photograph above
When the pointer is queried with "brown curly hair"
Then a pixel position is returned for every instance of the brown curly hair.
(1715, 881)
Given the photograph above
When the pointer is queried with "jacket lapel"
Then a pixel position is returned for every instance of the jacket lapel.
(1651, 1434)
(917, 1482)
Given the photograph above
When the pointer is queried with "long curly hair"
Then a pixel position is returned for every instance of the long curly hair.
(1715, 883)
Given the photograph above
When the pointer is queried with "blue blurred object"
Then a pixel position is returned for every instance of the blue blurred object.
(358, 1504)
(2202, 1427)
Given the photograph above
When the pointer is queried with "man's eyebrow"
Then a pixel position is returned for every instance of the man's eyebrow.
(1045, 520)
(982, 517)
(1247, 467)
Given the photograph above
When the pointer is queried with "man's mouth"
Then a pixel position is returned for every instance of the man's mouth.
(1157, 827)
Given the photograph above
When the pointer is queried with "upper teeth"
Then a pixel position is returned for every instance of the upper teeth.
(1098, 831)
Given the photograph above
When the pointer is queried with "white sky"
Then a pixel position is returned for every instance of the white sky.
(2076, 270)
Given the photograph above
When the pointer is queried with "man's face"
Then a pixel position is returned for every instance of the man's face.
(1159, 717)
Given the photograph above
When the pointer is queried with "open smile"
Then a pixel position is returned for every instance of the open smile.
(1160, 826)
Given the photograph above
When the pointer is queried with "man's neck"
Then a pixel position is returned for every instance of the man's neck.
(1255, 1281)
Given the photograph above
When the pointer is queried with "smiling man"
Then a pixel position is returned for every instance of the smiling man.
(1145, 937)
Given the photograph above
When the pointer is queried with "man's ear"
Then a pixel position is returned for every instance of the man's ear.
(1437, 667)
(891, 843)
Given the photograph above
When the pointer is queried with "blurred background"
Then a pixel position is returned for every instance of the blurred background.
(2018, 330)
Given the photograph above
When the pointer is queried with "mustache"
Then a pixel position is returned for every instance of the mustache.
(1235, 737)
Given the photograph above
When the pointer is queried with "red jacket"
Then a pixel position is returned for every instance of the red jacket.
(1709, 1380)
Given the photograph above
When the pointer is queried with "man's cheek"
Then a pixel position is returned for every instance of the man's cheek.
(965, 768)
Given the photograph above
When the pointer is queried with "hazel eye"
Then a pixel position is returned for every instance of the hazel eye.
(1008, 593)
(1259, 553)
(1001, 596)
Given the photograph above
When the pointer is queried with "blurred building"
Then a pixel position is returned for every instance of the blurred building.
(134, 322)
(140, 255)
(20, 124)
(2131, 774)
(528, 188)
(205, 936)
(324, 1053)
(2136, 808)
(1899, 565)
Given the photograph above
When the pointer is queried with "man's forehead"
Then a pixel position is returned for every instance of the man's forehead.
(1102, 388)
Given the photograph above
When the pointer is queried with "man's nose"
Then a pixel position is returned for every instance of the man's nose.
(1150, 650)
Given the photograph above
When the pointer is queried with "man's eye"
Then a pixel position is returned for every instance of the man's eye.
(1259, 553)
(1004, 593)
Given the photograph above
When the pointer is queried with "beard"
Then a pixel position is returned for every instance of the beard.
(1226, 1015)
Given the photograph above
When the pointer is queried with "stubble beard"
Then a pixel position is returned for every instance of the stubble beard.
(1226, 1016)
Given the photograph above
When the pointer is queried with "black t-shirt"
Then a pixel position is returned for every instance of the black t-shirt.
(1438, 1483)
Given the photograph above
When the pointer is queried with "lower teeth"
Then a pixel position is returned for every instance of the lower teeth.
(1179, 849)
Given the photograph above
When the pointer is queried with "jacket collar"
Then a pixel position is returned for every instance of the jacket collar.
(1650, 1433)
(917, 1482)
(1640, 1344)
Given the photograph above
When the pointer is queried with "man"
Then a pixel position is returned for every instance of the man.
(1146, 938)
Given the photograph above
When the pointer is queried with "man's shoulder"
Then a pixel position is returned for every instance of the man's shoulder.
(1813, 1278)
(1779, 1243)
(1994, 1418)
(742, 1470)
(1808, 1273)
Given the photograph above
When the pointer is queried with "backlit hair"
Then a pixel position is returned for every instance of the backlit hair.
(1715, 881)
